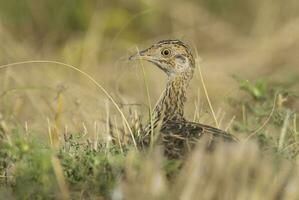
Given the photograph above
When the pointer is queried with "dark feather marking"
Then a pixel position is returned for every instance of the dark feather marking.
(177, 134)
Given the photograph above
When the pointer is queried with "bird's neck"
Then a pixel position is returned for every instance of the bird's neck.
(171, 104)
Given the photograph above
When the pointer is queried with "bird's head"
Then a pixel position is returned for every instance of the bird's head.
(172, 56)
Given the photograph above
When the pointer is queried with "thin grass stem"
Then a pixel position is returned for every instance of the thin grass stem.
(87, 76)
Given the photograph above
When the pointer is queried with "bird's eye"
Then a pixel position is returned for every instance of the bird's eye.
(166, 52)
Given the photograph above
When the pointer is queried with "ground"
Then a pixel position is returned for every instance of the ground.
(62, 136)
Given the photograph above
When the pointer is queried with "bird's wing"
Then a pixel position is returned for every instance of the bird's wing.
(191, 129)
(183, 128)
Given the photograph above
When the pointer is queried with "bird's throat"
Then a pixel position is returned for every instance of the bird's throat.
(171, 104)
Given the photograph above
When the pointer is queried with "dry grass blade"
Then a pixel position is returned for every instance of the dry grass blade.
(205, 89)
(148, 99)
(284, 130)
(60, 178)
(265, 122)
(86, 75)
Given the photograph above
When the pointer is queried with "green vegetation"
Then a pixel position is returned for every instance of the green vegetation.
(62, 138)
(95, 169)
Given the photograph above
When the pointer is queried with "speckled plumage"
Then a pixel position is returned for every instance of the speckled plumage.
(176, 133)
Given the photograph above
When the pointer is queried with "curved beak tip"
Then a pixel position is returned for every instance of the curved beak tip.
(134, 56)
(139, 55)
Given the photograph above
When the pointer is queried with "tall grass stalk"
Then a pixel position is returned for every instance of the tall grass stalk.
(204, 88)
(84, 74)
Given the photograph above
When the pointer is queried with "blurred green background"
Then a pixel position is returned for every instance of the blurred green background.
(251, 39)
(248, 53)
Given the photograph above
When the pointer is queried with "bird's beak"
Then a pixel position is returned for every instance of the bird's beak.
(140, 55)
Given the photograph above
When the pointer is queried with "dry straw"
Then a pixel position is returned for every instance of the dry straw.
(205, 89)
(99, 86)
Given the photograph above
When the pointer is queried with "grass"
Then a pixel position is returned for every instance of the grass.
(76, 167)
(60, 138)
(100, 87)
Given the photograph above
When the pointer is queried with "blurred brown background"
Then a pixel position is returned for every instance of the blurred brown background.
(251, 39)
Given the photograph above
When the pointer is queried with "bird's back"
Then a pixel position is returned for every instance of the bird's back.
(179, 137)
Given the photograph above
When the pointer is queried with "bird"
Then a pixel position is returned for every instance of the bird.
(176, 134)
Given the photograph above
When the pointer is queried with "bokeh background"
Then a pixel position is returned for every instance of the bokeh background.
(62, 138)
(249, 39)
